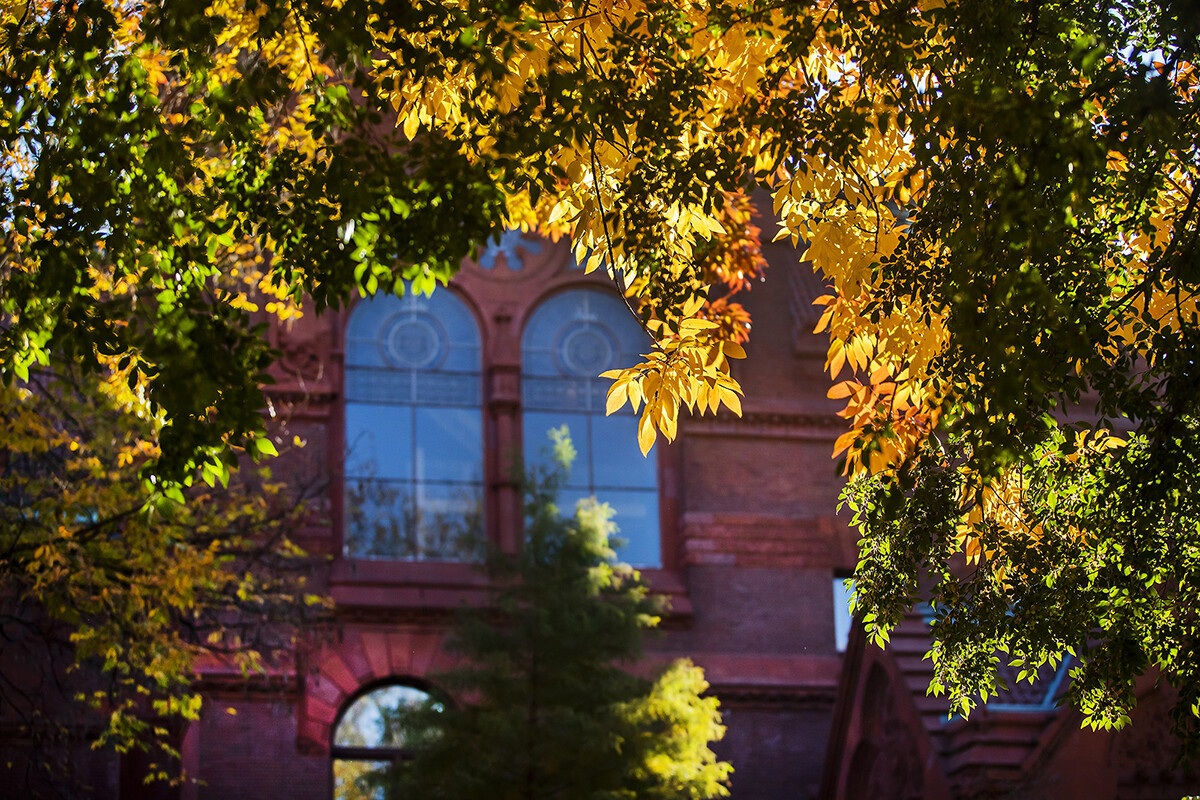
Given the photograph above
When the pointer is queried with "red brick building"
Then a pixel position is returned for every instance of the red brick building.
(414, 411)
(735, 522)
(890, 740)
(423, 404)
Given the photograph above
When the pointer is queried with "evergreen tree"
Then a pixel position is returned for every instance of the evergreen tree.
(545, 703)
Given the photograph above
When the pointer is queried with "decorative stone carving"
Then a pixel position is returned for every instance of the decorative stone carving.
(887, 763)
(303, 361)
(511, 243)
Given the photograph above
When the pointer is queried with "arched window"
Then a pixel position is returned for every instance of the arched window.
(414, 438)
(569, 340)
(370, 739)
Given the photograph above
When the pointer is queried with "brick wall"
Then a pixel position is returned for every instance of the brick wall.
(252, 753)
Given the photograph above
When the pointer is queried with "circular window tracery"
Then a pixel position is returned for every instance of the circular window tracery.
(414, 340)
(586, 349)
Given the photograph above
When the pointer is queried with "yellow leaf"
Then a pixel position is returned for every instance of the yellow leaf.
(594, 262)
(696, 325)
(411, 124)
(695, 303)
(733, 350)
(650, 385)
(668, 425)
(618, 393)
(711, 399)
(635, 395)
(646, 432)
(837, 359)
(731, 400)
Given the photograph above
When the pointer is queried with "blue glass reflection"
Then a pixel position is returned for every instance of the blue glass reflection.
(414, 438)
(567, 342)
(537, 427)
(449, 444)
(379, 441)
(618, 461)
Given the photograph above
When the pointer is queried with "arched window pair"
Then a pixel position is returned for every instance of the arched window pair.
(414, 422)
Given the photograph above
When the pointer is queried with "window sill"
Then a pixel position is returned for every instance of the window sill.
(440, 585)
(433, 585)
(670, 585)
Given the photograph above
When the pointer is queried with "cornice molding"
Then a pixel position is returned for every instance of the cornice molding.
(766, 424)
(229, 684)
(299, 396)
(774, 698)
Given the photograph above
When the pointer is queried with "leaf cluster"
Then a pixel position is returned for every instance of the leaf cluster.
(147, 153)
(110, 602)
(1023, 333)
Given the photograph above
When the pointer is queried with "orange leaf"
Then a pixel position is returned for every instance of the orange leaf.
(843, 389)
(843, 442)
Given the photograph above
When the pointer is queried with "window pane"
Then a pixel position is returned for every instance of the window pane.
(538, 445)
(566, 393)
(379, 519)
(616, 458)
(378, 441)
(461, 389)
(538, 361)
(363, 330)
(375, 719)
(449, 444)
(636, 517)
(449, 521)
(637, 522)
(405, 520)
(568, 499)
(841, 614)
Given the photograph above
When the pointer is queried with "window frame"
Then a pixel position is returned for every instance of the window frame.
(592, 415)
(339, 442)
(393, 755)
(501, 302)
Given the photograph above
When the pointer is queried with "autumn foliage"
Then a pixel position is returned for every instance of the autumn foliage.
(1002, 196)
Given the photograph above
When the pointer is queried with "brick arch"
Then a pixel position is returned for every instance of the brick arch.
(506, 301)
(339, 671)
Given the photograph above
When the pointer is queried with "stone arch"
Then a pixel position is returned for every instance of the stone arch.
(362, 658)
